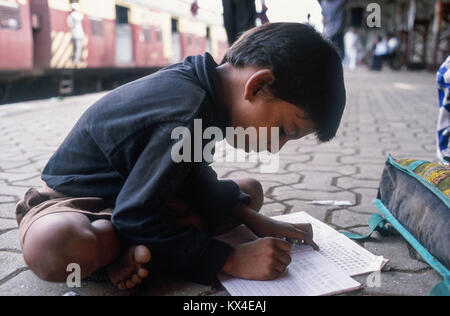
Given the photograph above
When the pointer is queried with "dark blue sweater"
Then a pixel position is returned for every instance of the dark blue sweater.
(120, 149)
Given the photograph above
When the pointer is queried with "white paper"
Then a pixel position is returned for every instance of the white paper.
(332, 203)
(342, 251)
(309, 274)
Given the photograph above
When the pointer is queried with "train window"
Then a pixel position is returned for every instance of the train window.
(122, 15)
(97, 27)
(174, 25)
(159, 36)
(146, 34)
(10, 16)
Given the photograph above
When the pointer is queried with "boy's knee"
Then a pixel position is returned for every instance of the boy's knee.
(253, 188)
(49, 250)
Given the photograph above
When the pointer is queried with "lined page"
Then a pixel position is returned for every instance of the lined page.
(342, 251)
(309, 274)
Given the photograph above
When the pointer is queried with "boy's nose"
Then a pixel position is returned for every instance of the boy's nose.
(283, 141)
(273, 150)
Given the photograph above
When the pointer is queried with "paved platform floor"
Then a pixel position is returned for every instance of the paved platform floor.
(387, 113)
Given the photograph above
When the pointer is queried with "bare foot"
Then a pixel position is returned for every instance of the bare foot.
(128, 270)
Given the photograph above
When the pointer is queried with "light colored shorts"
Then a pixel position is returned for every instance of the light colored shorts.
(38, 203)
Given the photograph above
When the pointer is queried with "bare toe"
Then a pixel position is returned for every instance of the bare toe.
(136, 279)
(127, 271)
(122, 286)
(142, 255)
(130, 284)
(143, 273)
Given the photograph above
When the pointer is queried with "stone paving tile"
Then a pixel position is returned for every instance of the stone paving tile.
(5, 198)
(311, 181)
(7, 210)
(10, 241)
(352, 183)
(399, 283)
(343, 170)
(401, 256)
(382, 117)
(274, 209)
(27, 284)
(97, 289)
(286, 193)
(172, 288)
(10, 263)
(345, 218)
(7, 224)
(317, 211)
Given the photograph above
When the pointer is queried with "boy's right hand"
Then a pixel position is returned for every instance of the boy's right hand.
(264, 259)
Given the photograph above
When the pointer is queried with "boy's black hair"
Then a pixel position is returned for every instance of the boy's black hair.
(307, 69)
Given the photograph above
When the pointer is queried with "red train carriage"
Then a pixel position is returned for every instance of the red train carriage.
(16, 43)
(218, 42)
(124, 40)
(151, 34)
(53, 40)
(192, 37)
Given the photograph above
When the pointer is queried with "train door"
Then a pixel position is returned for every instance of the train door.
(124, 38)
(176, 42)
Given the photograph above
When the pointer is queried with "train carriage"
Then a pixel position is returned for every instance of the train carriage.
(16, 43)
(124, 40)
(218, 42)
(193, 36)
(152, 42)
(53, 39)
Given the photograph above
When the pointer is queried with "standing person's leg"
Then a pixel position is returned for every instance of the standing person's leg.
(245, 16)
(228, 19)
(338, 41)
(78, 50)
(74, 54)
(353, 59)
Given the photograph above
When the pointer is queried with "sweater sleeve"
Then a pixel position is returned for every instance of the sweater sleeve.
(140, 212)
(216, 198)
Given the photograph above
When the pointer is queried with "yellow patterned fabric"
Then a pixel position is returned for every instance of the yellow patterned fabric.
(437, 174)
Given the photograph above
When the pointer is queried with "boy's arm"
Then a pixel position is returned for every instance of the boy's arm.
(140, 212)
(216, 199)
(264, 226)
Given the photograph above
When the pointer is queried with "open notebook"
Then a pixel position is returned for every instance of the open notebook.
(311, 273)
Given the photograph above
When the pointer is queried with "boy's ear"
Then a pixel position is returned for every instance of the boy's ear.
(256, 83)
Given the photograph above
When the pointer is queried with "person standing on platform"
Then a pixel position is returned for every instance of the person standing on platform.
(75, 22)
(333, 19)
(352, 45)
(443, 130)
(239, 16)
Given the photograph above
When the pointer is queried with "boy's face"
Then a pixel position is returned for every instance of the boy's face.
(292, 121)
(258, 108)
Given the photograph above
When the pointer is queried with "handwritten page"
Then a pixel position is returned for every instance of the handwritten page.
(309, 274)
(342, 251)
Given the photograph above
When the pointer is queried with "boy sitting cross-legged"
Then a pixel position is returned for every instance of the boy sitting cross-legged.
(115, 199)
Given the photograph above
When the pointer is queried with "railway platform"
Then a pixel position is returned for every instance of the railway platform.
(387, 113)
